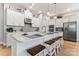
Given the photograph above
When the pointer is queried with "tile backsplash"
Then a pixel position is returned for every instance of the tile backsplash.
(26, 28)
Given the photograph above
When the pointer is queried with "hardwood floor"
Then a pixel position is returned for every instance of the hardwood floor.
(4, 51)
(69, 49)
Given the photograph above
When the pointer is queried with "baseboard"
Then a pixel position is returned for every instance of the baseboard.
(2, 43)
(77, 41)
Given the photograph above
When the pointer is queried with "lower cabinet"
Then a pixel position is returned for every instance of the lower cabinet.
(9, 40)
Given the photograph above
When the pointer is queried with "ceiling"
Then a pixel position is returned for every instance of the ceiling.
(53, 8)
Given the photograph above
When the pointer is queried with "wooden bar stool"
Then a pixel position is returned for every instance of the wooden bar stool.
(50, 47)
(61, 42)
(36, 51)
(57, 44)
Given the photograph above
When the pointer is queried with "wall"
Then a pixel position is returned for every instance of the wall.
(77, 27)
(1, 22)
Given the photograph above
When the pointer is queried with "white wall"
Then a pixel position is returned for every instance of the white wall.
(77, 26)
(1, 22)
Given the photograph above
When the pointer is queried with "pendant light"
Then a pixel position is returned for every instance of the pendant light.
(48, 12)
(32, 5)
(49, 9)
(55, 11)
(55, 17)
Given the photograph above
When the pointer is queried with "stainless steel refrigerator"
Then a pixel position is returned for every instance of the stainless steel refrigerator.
(70, 31)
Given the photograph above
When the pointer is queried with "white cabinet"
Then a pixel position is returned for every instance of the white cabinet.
(28, 14)
(10, 18)
(59, 22)
(15, 18)
(9, 39)
(69, 18)
(72, 18)
(20, 20)
(35, 22)
(56, 22)
(65, 19)
(51, 21)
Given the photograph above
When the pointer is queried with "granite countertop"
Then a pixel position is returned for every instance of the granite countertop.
(29, 36)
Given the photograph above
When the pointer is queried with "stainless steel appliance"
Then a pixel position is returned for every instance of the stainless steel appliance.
(70, 31)
(51, 28)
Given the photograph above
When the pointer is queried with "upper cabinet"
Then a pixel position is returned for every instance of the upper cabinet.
(51, 21)
(35, 22)
(28, 14)
(70, 18)
(65, 19)
(59, 22)
(15, 18)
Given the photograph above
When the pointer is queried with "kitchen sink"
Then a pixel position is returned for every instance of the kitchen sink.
(24, 34)
(39, 35)
(34, 36)
(50, 33)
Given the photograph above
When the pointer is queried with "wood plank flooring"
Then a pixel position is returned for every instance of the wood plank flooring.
(69, 49)
(4, 51)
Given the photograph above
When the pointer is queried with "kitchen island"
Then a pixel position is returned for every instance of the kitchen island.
(24, 41)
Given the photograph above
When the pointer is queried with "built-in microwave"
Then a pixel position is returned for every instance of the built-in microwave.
(27, 20)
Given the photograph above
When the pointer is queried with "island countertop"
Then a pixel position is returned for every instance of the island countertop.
(26, 37)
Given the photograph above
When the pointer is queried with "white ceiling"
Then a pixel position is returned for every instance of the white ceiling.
(44, 7)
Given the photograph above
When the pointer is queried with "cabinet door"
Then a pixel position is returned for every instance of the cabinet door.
(15, 18)
(28, 14)
(21, 19)
(59, 23)
(72, 18)
(10, 18)
(35, 22)
(51, 21)
(65, 19)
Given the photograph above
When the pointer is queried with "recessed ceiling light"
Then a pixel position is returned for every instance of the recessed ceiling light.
(48, 13)
(31, 5)
(55, 17)
(68, 9)
(40, 12)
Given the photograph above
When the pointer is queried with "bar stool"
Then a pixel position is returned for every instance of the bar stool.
(36, 51)
(57, 44)
(61, 42)
(50, 47)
